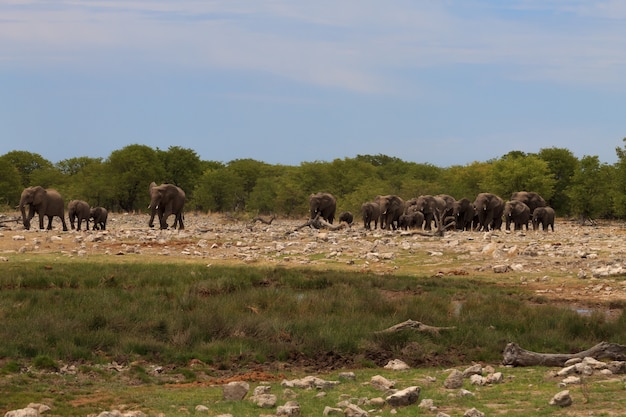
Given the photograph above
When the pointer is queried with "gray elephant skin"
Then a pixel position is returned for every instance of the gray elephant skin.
(517, 213)
(411, 220)
(165, 200)
(391, 208)
(323, 205)
(489, 208)
(99, 216)
(43, 202)
(543, 216)
(78, 210)
(346, 216)
(432, 207)
(530, 198)
(464, 214)
(370, 211)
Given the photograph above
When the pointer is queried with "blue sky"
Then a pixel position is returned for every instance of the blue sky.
(289, 81)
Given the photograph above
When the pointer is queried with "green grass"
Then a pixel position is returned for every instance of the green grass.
(238, 318)
(176, 312)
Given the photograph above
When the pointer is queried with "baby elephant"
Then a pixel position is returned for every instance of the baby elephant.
(78, 210)
(347, 217)
(99, 216)
(545, 217)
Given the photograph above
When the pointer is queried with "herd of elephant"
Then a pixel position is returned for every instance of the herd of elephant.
(165, 200)
(487, 212)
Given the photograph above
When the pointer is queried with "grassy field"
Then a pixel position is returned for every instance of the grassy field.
(87, 336)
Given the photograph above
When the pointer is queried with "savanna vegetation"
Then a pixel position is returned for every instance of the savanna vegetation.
(573, 186)
(162, 337)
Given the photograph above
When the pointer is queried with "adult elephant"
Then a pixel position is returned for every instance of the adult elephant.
(44, 202)
(99, 216)
(391, 208)
(165, 200)
(323, 205)
(78, 210)
(449, 210)
(370, 211)
(432, 207)
(530, 198)
(464, 214)
(544, 216)
(517, 213)
(489, 208)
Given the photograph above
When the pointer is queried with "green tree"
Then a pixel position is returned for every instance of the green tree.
(590, 190)
(466, 181)
(219, 190)
(562, 164)
(183, 168)
(619, 196)
(131, 170)
(10, 185)
(27, 163)
(516, 172)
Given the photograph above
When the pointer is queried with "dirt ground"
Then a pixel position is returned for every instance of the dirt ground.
(581, 265)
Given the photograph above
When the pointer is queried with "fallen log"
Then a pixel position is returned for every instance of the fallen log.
(262, 220)
(319, 223)
(414, 325)
(12, 219)
(516, 356)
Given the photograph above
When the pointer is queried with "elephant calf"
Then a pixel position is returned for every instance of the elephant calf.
(99, 216)
(545, 217)
(78, 210)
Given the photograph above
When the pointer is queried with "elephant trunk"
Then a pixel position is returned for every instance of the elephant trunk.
(25, 219)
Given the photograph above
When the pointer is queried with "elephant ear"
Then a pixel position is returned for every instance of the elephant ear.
(152, 185)
(39, 196)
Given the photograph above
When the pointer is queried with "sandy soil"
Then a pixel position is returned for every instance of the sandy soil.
(582, 265)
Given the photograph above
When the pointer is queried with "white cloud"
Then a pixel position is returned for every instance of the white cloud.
(350, 44)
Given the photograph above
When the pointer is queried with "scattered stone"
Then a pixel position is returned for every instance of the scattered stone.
(290, 409)
(397, 365)
(454, 380)
(562, 399)
(235, 391)
(472, 412)
(404, 397)
(381, 383)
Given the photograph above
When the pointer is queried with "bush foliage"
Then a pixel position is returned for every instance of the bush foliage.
(583, 187)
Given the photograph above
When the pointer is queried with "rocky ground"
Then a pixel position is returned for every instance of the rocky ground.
(583, 265)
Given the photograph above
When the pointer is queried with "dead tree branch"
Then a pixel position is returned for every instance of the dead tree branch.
(516, 356)
(414, 325)
(262, 220)
(319, 223)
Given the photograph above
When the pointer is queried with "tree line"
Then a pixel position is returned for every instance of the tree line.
(573, 186)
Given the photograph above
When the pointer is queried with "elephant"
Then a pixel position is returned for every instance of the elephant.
(449, 204)
(323, 205)
(531, 199)
(166, 199)
(545, 217)
(346, 216)
(517, 213)
(412, 220)
(78, 210)
(99, 216)
(391, 208)
(432, 207)
(464, 214)
(489, 208)
(370, 211)
(44, 202)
